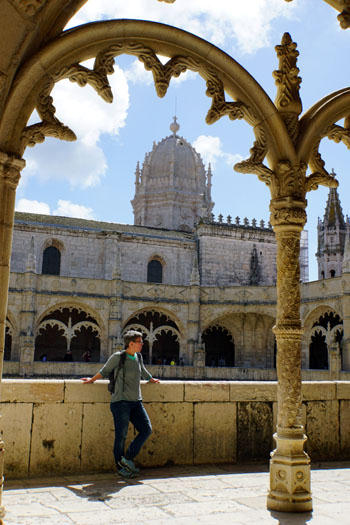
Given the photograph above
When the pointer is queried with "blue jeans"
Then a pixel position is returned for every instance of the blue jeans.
(123, 412)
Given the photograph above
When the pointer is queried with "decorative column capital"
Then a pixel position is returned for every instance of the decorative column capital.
(10, 168)
(288, 213)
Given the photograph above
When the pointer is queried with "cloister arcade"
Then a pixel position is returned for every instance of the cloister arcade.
(35, 60)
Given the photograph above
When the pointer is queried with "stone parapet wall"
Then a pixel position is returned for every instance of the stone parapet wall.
(79, 369)
(61, 427)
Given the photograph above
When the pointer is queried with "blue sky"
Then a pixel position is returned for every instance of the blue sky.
(94, 177)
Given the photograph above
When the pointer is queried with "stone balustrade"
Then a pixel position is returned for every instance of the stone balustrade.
(61, 427)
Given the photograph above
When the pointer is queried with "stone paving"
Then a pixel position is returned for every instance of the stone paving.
(177, 495)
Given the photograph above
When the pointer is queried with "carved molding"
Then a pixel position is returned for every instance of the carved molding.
(29, 7)
(339, 134)
(10, 169)
(288, 82)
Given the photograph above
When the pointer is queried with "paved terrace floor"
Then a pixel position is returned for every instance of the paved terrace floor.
(177, 495)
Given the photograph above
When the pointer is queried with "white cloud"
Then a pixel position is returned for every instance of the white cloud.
(86, 113)
(69, 209)
(81, 163)
(64, 208)
(29, 206)
(225, 23)
(210, 149)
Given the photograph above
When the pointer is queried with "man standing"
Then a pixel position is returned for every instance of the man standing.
(126, 401)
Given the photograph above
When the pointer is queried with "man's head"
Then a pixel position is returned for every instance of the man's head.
(133, 341)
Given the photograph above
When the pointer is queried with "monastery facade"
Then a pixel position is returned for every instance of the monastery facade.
(200, 288)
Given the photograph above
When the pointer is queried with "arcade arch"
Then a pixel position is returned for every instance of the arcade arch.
(67, 333)
(161, 336)
(289, 144)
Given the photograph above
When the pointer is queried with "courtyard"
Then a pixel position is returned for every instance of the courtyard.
(182, 495)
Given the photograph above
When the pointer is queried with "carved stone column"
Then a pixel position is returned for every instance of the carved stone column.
(10, 168)
(289, 465)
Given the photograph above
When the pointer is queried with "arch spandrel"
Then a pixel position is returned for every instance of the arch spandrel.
(85, 42)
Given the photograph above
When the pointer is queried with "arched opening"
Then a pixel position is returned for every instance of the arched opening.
(318, 351)
(51, 261)
(322, 275)
(161, 337)
(332, 272)
(154, 271)
(68, 334)
(318, 348)
(219, 347)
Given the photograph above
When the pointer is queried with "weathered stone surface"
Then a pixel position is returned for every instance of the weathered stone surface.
(78, 392)
(202, 391)
(253, 391)
(32, 391)
(167, 391)
(254, 431)
(344, 425)
(16, 422)
(215, 433)
(343, 390)
(97, 438)
(172, 439)
(312, 391)
(56, 439)
(322, 430)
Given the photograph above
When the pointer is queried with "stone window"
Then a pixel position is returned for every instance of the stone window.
(155, 271)
(51, 261)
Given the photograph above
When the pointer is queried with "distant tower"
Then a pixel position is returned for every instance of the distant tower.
(331, 238)
(173, 189)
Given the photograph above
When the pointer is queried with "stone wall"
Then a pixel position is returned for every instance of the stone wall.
(61, 427)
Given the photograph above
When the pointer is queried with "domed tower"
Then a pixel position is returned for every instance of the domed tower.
(173, 189)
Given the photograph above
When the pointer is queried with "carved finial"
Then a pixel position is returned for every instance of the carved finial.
(229, 219)
(137, 174)
(237, 220)
(288, 82)
(174, 126)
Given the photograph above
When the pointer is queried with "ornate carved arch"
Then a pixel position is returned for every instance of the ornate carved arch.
(61, 59)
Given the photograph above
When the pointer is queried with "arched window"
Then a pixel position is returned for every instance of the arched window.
(154, 271)
(51, 261)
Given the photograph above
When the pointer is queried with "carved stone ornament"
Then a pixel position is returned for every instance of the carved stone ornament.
(29, 7)
(10, 169)
(344, 17)
(288, 82)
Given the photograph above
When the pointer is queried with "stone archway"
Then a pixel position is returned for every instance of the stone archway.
(161, 336)
(288, 143)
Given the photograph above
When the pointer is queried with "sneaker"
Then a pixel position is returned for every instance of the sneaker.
(124, 473)
(129, 465)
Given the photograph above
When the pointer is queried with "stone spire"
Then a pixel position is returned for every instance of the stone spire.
(331, 237)
(137, 176)
(31, 259)
(333, 215)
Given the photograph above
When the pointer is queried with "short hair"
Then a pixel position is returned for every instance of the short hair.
(131, 336)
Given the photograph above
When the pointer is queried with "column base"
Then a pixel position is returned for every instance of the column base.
(289, 483)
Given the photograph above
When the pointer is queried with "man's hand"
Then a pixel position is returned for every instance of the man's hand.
(154, 380)
(87, 380)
